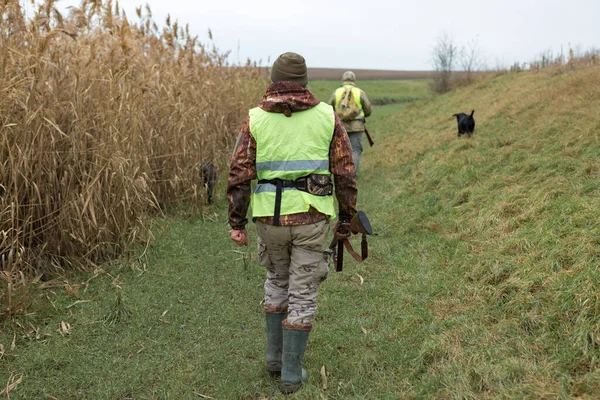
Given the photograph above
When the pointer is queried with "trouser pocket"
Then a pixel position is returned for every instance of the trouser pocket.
(263, 255)
(325, 265)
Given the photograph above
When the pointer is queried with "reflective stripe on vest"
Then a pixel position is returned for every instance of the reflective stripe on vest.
(289, 148)
(355, 93)
(293, 165)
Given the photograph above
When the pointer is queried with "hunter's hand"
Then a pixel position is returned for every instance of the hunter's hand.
(340, 230)
(336, 227)
(240, 237)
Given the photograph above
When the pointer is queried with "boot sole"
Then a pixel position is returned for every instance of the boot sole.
(274, 367)
(287, 388)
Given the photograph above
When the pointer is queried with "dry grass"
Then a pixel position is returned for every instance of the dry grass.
(103, 121)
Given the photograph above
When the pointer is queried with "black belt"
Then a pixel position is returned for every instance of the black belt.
(299, 184)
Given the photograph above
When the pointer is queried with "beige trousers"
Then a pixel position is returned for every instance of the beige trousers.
(296, 263)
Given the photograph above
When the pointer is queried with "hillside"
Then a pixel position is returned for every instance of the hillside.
(482, 280)
(505, 230)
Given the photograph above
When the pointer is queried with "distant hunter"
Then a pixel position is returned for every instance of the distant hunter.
(352, 105)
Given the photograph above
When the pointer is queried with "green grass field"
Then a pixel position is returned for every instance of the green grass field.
(482, 280)
(404, 91)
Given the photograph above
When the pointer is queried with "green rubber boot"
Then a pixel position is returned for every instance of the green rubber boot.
(274, 342)
(292, 373)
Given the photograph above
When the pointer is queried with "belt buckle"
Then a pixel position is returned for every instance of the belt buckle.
(302, 184)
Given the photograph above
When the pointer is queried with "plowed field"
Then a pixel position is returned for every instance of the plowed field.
(366, 74)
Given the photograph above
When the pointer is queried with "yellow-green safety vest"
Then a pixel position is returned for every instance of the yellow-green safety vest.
(289, 148)
(355, 93)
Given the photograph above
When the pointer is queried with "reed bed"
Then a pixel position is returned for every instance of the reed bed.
(104, 122)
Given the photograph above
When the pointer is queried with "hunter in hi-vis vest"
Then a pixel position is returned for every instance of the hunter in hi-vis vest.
(297, 150)
(352, 106)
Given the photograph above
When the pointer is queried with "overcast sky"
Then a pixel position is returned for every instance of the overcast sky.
(381, 34)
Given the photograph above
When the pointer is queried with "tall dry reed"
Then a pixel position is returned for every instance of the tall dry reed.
(102, 121)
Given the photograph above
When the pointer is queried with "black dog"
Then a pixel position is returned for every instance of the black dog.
(208, 174)
(466, 123)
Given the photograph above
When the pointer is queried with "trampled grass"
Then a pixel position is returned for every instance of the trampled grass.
(482, 280)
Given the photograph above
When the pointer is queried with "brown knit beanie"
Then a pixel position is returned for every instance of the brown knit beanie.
(290, 67)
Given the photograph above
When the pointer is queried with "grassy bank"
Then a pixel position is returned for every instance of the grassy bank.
(482, 280)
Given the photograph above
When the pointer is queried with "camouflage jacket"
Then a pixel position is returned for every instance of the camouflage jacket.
(357, 125)
(287, 98)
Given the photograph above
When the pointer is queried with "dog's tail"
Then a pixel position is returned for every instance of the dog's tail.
(472, 112)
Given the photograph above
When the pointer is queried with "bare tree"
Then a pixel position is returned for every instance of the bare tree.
(444, 54)
(470, 60)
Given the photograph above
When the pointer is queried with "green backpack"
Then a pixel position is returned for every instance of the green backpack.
(347, 109)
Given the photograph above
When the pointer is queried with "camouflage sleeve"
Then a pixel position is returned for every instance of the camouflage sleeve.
(241, 172)
(366, 104)
(342, 168)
